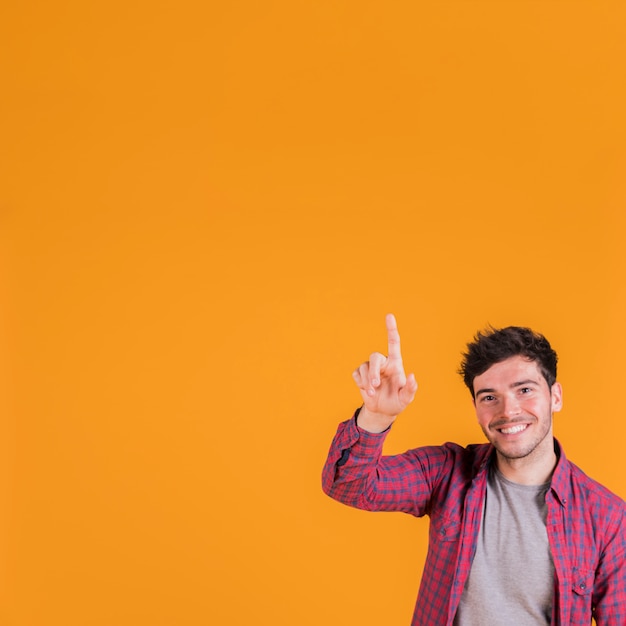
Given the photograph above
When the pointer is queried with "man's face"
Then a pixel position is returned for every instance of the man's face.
(514, 406)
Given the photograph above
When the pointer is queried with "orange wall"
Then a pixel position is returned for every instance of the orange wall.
(206, 209)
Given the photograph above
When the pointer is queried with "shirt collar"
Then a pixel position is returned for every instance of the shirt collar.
(559, 483)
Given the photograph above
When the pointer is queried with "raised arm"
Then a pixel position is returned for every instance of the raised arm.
(356, 472)
(384, 387)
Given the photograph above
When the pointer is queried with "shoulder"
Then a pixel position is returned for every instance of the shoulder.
(471, 452)
(569, 481)
(594, 491)
(453, 459)
(600, 511)
(593, 513)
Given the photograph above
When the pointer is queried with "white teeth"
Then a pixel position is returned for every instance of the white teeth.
(513, 429)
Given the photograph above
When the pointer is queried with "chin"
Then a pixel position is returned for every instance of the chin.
(515, 454)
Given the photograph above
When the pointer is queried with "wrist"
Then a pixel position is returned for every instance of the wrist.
(373, 422)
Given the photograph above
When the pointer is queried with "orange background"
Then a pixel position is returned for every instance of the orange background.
(206, 210)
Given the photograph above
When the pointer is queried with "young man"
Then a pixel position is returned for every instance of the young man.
(518, 534)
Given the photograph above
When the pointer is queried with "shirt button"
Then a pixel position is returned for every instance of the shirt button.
(582, 585)
(442, 532)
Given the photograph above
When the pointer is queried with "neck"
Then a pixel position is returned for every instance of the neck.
(534, 469)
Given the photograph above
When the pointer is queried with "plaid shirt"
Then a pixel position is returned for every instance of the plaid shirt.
(586, 523)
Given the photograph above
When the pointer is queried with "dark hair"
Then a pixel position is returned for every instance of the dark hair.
(494, 345)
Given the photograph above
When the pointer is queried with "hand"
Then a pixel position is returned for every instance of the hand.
(384, 387)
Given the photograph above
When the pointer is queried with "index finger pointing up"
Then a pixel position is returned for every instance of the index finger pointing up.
(393, 338)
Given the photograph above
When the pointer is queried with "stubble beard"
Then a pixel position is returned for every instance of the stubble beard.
(525, 452)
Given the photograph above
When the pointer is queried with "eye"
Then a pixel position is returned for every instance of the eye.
(487, 398)
(525, 390)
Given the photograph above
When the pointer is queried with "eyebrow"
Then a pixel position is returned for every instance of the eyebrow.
(513, 386)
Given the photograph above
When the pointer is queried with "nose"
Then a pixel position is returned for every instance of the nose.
(511, 406)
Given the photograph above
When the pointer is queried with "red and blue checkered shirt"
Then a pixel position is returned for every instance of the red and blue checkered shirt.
(586, 523)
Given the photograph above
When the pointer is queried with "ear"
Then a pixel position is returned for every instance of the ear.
(556, 394)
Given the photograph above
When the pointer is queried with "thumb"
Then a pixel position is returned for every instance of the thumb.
(407, 393)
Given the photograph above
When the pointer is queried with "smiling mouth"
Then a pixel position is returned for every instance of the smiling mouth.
(513, 430)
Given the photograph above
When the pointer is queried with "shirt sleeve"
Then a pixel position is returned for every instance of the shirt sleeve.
(609, 601)
(357, 474)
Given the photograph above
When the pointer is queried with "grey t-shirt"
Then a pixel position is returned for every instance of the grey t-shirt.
(511, 581)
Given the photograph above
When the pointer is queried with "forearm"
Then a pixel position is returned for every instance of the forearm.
(352, 459)
(358, 475)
